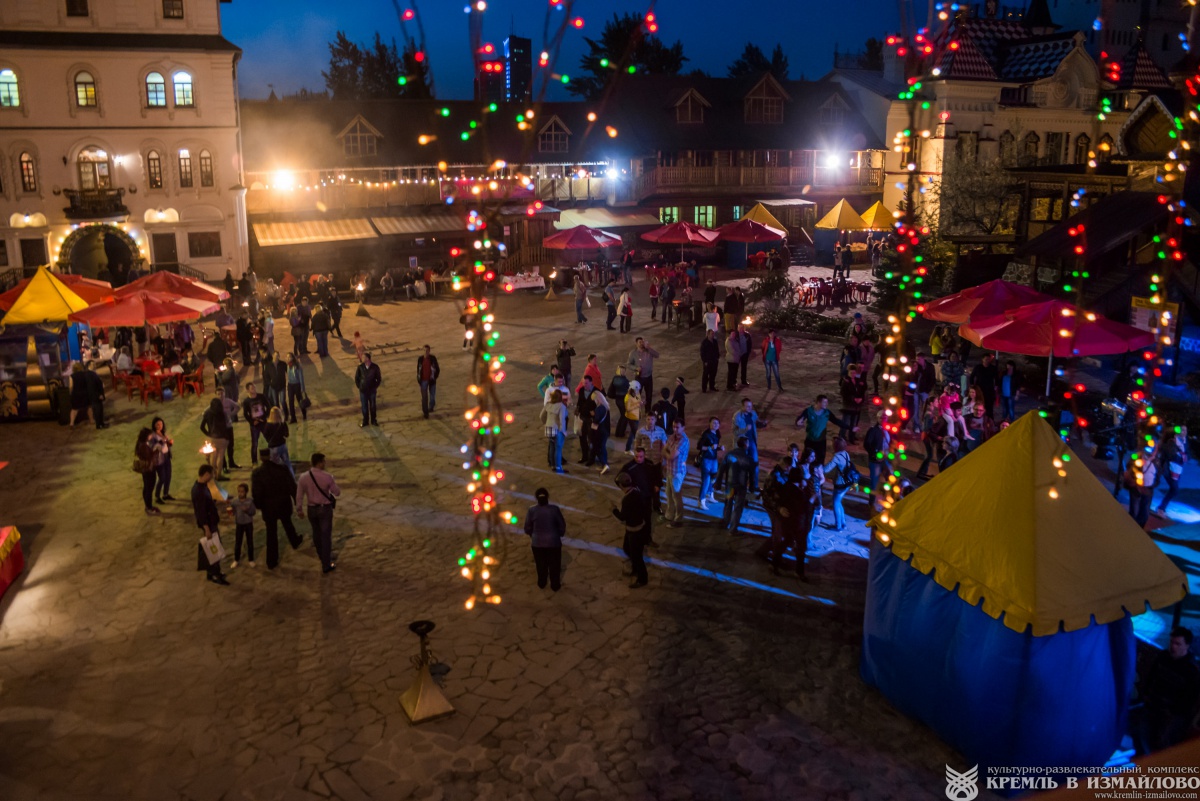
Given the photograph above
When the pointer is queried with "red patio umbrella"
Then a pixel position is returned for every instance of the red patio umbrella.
(172, 284)
(985, 300)
(682, 233)
(581, 237)
(91, 290)
(134, 309)
(749, 231)
(1055, 328)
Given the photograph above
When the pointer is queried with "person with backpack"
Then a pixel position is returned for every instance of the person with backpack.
(846, 479)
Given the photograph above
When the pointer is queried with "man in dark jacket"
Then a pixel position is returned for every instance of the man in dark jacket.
(1170, 691)
(736, 467)
(546, 527)
(747, 347)
(562, 357)
(367, 378)
(279, 382)
(710, 358)
(207, 519)
(617, 389)
(985, 377)
(255, 410)
(217, 353)
(633, 514)
(244, 337)
(642, 472)
(924, 378)
(273, 488)
(427, 376)
(797, 500)
(320, 328)
(303, 320)
(94, 386)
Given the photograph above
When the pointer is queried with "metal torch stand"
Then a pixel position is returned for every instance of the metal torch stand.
(423, 700)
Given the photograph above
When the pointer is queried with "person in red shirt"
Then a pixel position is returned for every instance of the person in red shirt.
(427, 376)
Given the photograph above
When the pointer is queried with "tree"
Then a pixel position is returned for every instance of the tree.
(975, 196)
(624, 44)
(377, 72)
(871, 57)
(754, 62)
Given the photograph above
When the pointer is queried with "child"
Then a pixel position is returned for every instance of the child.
(359, 346)
(242, 508)
(679, 398)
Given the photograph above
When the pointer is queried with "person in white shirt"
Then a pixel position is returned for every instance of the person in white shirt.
(712, 318)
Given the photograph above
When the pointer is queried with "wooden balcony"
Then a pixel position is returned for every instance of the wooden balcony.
(95, 204)
(715, 181)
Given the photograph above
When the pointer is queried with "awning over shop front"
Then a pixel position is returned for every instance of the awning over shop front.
(310, 232)
(438, 222)
(605, 218)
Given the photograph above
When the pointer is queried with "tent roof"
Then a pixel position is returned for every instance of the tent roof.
(878, 217)
(759, 214)
(843, 217)
(988, 529)
(45, 299)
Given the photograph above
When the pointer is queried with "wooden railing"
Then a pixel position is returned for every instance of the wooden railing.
(662, 180)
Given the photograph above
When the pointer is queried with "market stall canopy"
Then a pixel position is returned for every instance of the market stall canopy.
(878, 218)
(581, 237)
(681, 233)
(759, 214)
(172, 284)
(842, 217)
(749, 231)
(985, 300)
(1055, 328)
(89, 289)
(1038, 560)
(46, 299)
(136, 309)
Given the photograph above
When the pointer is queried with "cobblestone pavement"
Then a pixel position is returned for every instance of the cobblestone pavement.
(124, 675)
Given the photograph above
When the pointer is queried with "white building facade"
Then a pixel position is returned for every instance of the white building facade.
(119, 138)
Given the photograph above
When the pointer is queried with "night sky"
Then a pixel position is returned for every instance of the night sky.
(284, 41)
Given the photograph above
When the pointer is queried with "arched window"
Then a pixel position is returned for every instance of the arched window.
(1104, 150)
(94, 169)
(28, 173)
(10, 92)
(183, 90)
(1008, 149)
(1029, 148)
(85, 89)
(185, 169)
(206, 168)
(156, 90)
(1083, 144)
(154, 169)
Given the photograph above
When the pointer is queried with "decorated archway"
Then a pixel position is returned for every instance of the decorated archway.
(117, 246)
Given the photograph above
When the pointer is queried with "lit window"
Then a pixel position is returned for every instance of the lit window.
(156, 90)
(737, 212)
(185, 169)
(183, 90)
(28, 173)
(94, 170)
(172, 9)
(85, 89)
(206, 168)
(359, 140)
(668, 214)
(10, 93)
(554, 138)
(704, 216)
(154, 169)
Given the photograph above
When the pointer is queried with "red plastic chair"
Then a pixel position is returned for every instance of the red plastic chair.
(193, 381)
(134, 383)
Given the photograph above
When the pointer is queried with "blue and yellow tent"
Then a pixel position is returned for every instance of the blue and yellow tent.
(999, 604)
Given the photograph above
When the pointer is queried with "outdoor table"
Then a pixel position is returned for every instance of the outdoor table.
(522, 281)
(439, 281)
(156, 380)
(12, 559)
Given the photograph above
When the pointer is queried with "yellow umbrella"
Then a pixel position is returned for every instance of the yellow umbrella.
(45, 300)
(759, 214)
(843, 217)
(878, 217)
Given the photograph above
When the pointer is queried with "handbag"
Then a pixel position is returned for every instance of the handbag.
(214, 551)
(305, 403)
(141, 465)
(848, 476)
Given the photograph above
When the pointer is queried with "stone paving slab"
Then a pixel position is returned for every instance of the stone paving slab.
(124, 675)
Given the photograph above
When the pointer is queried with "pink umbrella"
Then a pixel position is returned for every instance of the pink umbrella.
(170, 283)
(682, 233)
(1055, 328)
(581, 237)
(985, 300)
(134, 309)
(749, 231)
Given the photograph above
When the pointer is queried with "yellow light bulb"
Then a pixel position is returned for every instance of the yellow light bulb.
(1053, 493)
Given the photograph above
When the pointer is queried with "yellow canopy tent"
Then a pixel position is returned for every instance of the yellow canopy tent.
(45, 300)
(989, 528)
(842, 217)
(759, 214)
(878, 217)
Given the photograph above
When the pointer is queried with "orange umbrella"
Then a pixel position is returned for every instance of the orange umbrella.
(136, 308)
(172, 284)
(90, 290)
(581, 237)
